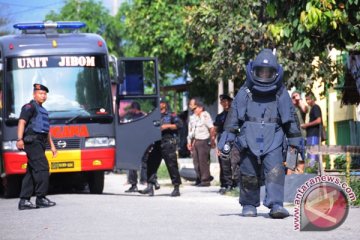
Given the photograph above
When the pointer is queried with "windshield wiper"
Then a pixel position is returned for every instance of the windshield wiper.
(73, 118)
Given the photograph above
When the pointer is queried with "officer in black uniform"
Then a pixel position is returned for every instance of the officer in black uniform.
(33, 132)
(226, 181)
(166, 149)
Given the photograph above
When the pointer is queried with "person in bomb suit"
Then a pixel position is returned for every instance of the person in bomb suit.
(261, 124)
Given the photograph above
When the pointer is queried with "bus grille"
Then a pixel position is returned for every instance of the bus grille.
(66, 143)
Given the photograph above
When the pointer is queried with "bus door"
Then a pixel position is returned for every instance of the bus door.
(137, 109)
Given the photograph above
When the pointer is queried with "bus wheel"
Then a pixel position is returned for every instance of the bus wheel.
(12, 186)
(96, 182)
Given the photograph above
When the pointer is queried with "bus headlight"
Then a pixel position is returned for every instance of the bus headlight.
(99, 142)
(9, 145)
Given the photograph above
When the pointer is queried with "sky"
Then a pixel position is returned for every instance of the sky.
(35, 10)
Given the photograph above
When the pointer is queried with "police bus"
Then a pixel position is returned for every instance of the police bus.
(90, 114)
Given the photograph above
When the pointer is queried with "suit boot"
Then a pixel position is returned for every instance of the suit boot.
(43, 202)
(176, 191)
(26, 204)
(278, 211)
(148, 190)
(249, 211)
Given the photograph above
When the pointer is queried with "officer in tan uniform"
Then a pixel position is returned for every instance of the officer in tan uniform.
(201, 139)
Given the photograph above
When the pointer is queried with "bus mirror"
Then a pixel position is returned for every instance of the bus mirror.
(113, 65)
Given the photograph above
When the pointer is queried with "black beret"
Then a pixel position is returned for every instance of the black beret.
(38, 86)
(225, 97)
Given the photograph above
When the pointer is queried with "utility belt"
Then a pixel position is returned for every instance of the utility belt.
(262, 120)
(168, 139)
(31, 137)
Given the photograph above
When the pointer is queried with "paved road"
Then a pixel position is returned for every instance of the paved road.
(200, 213)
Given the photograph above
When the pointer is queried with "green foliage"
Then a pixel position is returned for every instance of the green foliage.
(229, 33)
(340, 162)
(234, 193)
(355, 186)
(97, 19)
(223, 34)
(157, 29)
(3, 22)
(162, 172)
(214, 40)
(313, 169)
(327, 161)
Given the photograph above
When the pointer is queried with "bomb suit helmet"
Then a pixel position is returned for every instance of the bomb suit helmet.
(264, 74)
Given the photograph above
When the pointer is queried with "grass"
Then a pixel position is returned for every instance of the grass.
(162, 172)
(234, 193)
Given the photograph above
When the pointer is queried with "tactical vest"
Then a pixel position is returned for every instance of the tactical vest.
(261, 129)
(168, 118)
(39, 122)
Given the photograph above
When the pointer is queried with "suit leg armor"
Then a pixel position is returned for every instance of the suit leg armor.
(249, 179)
(274, 178)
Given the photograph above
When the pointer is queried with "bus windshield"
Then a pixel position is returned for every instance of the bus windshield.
(78, 85)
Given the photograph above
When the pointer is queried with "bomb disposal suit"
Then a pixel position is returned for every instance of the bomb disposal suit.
(261, 118)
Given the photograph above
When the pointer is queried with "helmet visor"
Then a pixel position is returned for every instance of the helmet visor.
(264, 74)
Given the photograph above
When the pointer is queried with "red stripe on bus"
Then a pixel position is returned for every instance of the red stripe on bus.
(15, 162)
(97, 159)
(91, 159)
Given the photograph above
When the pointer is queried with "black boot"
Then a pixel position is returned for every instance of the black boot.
(176, 191)
(26, 204)
(157, 185)
(43, 202)
(132, 189)
(148, 190)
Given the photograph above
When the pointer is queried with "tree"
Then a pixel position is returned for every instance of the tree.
(313, 29)
(3, 24)
(97, 19)
(230, 33)
(158, 29)
(214, 40)
(226, 35)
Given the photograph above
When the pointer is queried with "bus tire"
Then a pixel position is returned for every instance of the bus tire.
(12, 186)
(96, 182)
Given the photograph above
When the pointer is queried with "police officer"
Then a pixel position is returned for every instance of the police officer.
(33, 132)
(201, 139)
(261, 118)
(226, 181)
(166, 149)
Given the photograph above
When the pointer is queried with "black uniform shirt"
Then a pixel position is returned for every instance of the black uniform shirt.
(315, 112)
(27, 111)
(219, 122)
(170, 118)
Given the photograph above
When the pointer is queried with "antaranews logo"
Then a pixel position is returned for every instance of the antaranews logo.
(322, 204)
